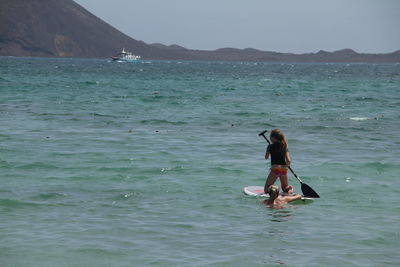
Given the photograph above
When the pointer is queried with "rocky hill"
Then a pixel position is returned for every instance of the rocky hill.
(62, 28)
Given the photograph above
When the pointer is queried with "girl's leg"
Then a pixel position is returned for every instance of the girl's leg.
(285, 185)
(270, 181)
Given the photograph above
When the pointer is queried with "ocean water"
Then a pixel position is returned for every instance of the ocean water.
(118, 164)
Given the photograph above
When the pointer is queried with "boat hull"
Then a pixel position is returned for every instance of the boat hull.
(125, 60)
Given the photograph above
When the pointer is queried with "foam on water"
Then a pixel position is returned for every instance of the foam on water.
(359, 118)
(105, 164)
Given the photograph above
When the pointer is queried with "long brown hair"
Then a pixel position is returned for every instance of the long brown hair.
(281, 139)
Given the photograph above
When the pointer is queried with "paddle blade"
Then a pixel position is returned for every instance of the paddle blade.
(308, 191)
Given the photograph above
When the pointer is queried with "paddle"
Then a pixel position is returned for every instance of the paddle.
(307, 190)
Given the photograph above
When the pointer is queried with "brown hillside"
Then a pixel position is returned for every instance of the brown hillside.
(61, 28)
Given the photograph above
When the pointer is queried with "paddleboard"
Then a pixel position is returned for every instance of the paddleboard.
(258, 191)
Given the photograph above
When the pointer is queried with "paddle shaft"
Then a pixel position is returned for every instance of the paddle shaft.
(290, 168)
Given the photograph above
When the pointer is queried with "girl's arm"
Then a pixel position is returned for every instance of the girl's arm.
(288, 159)
(292, 198)
(267, 153)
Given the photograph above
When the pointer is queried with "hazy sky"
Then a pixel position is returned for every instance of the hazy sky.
(370, 26)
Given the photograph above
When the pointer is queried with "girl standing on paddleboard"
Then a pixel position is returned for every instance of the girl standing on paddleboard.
(280, 161)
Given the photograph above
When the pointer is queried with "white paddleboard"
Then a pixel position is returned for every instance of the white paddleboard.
(258, 191)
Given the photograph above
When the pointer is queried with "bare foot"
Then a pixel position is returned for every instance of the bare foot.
(288, 189)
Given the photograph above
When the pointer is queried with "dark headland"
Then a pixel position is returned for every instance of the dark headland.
(62, 28)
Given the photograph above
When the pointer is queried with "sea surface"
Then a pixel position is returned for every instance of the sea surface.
(143, 164)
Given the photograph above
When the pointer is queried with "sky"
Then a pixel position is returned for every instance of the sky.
(297, 26)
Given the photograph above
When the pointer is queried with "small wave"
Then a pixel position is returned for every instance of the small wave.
(103, 115)
(181, 225)
(219, 169)
(152, 99)
(51, 114)
(13, 203)
(231, 88)
(5, 164)
(92, 82)
(359, 118)
(337, 128)
(127, 195)
(114, 169)
(38, 165)
(379, 165)
(46, 196)
(244, 113)
(96, 251)
(319, 127)
(156, 122)
(169, 169)
(357, 167)
(366, 99)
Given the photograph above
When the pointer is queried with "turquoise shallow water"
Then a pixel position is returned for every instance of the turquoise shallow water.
(113, 164)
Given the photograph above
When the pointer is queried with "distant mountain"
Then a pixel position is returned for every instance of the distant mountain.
(173, 47)
(62, 28)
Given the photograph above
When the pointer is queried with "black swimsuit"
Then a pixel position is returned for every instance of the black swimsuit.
(276, 155)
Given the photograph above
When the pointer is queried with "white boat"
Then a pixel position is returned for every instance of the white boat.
(126, 56)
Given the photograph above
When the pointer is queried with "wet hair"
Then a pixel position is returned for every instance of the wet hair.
(281, 139)
(273, 191)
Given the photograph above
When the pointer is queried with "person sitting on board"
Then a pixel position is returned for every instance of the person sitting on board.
(277, 200)
(280, 161)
